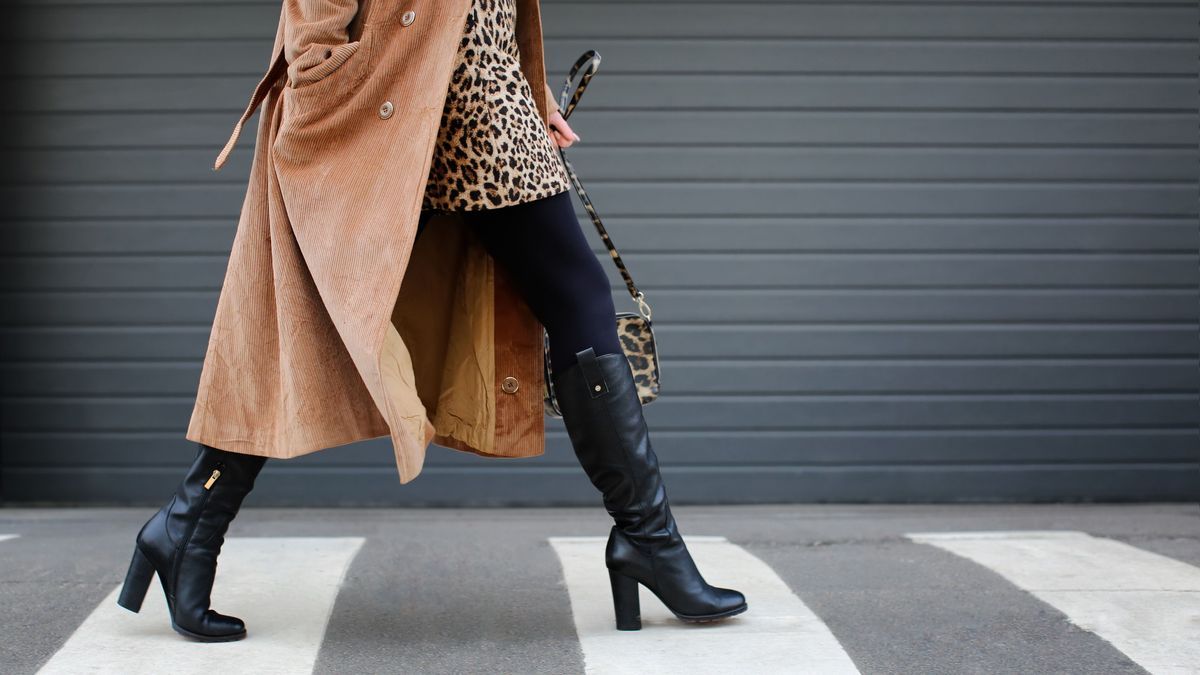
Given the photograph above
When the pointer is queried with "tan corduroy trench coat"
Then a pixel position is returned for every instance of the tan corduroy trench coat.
(332, 326)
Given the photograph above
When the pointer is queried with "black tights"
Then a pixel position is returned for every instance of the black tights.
(543, 250)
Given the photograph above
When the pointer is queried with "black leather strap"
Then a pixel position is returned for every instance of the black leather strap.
(592, 374)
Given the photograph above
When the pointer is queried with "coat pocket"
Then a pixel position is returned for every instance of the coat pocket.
(322, 62)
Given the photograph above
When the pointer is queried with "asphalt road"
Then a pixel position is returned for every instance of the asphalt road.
(1018, 589)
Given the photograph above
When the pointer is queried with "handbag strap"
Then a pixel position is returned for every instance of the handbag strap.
(589, 62)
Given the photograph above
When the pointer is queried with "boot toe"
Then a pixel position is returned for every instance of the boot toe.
(722, 603)
(215, 627)
(729, 599)
(222, 624)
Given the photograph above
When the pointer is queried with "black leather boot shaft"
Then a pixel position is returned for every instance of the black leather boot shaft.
(611, 441)
(183, 539)
(603, 416)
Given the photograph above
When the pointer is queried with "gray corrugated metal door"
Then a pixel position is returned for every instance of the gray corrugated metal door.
(896, 250)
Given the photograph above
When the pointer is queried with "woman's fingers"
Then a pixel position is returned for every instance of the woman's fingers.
(563, 139)
(561, 132)
(560, 140)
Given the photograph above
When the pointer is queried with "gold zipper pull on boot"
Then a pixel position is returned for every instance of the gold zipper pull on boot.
(212, 479)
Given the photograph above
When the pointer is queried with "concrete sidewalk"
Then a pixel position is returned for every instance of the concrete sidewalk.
(871, 589)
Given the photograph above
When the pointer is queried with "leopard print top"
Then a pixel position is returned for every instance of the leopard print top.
(492, 148)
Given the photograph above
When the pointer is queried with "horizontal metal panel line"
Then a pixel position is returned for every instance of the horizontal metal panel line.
(1061, 220)
(660, 429)
(922, 287)
(824, 72)
(664, 4)
(1062, 4)
(842, 40)
(946, 429)
(805, 74)
(676, 467)
(782, 109)
(986, 254)
(788, 433)
(738, 324)
(758, 182)
(762, 288)
(1116, 253)
(877, 359)
(981, 397)
(883, 39)
(662, 112)
(1189, 359)
(632, 215)
(1175, 393)
(830, 252)
(1186, 359)
(554, 38)
(774, 432)
(779, 109)
(731, 325)
(690, 145)
(1183, 358)
(764, 182)
(1073, 75)
(1139, 326)
(760, 73)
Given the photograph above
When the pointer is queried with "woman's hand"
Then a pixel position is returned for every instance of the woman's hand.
(560, 131)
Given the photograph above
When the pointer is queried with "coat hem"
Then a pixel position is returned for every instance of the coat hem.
(455, 444)
(252, 448)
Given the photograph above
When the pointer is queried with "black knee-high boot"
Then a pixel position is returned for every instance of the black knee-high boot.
(603, 416)
(181, 543)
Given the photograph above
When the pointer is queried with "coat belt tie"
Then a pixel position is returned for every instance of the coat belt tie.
(278, 68)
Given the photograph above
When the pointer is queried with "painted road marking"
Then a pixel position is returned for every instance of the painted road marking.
(1145, 604)
(6, 537)
(777, 634)
(282, 587)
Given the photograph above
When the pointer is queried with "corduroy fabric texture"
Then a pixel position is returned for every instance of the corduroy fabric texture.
(331, 326)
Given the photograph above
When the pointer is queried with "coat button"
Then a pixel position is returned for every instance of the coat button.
(407, 17)
(385, 110)
(509, 385)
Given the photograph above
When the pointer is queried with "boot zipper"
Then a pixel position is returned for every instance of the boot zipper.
(183, 543)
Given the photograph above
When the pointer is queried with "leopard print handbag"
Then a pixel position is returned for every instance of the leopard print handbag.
(634, 329)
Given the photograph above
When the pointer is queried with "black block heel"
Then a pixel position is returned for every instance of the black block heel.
(625, 601)
(137, 580)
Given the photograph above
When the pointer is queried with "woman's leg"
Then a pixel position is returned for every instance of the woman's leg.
(541, 246)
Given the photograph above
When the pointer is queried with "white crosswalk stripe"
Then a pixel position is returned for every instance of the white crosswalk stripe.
(1147, 605)
(282, 587)
(777, 634)
(6, 537)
